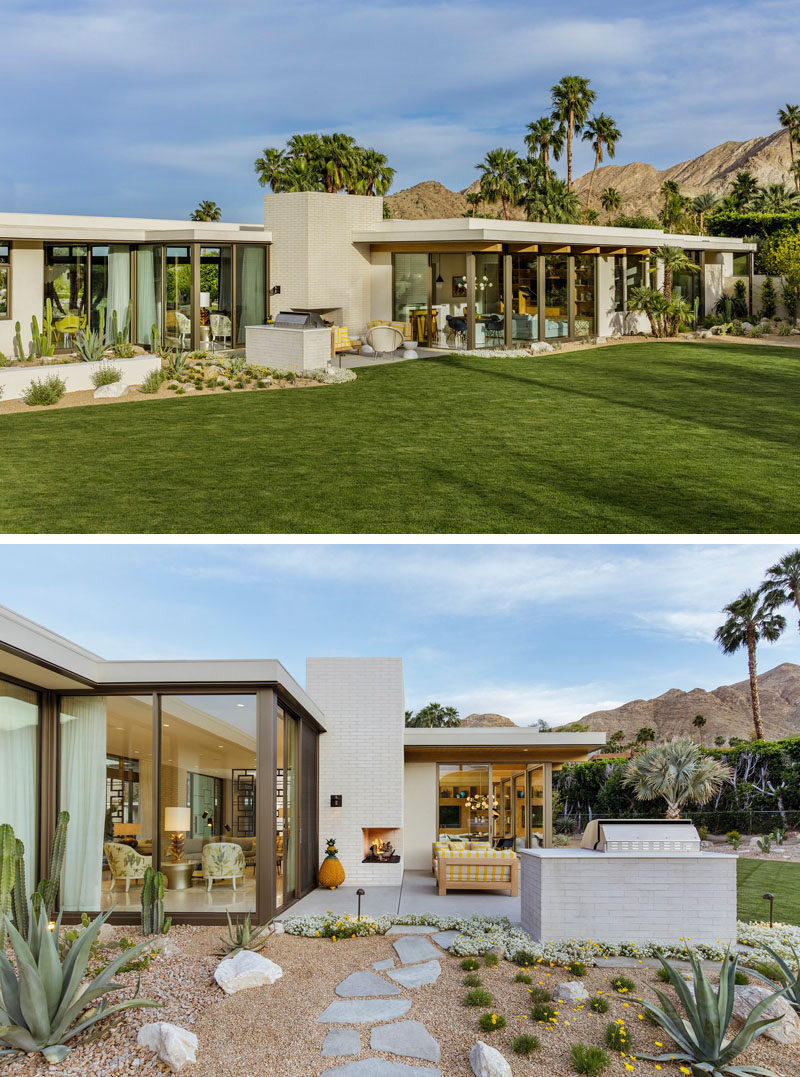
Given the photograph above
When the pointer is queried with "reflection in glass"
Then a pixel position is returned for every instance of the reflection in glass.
(465, 808)
(489, 328)
(536, 795)
(410, 287)
(208, 795)
(251, 289)
(178, 319)
(19, 721)
(556, 270)
(148, 293)
(215, 297)
(5, 275)
(65, 275)
(584, 294)
(524, 309)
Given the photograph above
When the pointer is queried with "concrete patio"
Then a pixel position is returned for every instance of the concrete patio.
(416, 894)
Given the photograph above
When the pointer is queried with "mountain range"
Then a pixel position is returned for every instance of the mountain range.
(767, 157)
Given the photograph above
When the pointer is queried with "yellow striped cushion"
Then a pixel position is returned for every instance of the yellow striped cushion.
(371, 325)
(462, 871)
(341, 337)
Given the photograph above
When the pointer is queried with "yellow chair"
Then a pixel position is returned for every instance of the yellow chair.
(69, 324)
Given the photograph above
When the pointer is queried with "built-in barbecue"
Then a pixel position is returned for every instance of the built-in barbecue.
(641, 836)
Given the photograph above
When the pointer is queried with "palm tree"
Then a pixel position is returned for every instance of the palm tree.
(206, 211)
(610, 200)
(645, 735)
(719, 740)
(375, 172)
(545, 137)
(300, 175)
(701, 205)
(306, 147)
(434, 715)
(675, 260)
(678, 771)
(500, 178)
(783, 580)
(751, 618)
(743, 188)
(339, 158)
(650, 302)
(473, 200)
(602, 133)
(270, 168)
(616, 740)
(790, 119)
(675, 206)
(698, 722)
(550, 199)
(572, 100)
(775, 198)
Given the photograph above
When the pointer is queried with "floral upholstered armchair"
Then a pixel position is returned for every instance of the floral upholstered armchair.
(222, 860)
(125, 863)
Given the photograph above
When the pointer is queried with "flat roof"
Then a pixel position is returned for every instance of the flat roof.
(75, 229)
(498, 744)
(484, 230)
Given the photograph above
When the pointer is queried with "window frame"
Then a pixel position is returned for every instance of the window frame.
(5, 263)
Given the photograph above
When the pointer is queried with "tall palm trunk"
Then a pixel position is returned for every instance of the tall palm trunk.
(796, 596)
(751, 666)
(504, 203)
(570, 125)
(545, 159)
(668, 282)
(791, 155)
(673, 810)
(591, 185)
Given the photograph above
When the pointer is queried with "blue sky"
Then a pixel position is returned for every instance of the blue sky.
(142, 107)
(531, 631)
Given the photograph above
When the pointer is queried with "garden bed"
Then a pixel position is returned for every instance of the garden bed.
(15, 378)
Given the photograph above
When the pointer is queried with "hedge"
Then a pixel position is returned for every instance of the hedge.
(748, 225)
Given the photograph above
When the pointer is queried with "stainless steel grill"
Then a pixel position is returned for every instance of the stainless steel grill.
(641, 836)
(298, 319)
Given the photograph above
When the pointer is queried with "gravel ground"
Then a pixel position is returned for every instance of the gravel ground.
(274, 1030)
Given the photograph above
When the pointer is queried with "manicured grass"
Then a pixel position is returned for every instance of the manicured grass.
(632, 438)
(759, 877)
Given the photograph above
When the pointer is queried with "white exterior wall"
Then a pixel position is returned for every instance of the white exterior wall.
(16, 379)
(381, 287)
(27, 291)
(288, 349)
(360, 757)
(578, 893)
(314, 259)
(421, 806)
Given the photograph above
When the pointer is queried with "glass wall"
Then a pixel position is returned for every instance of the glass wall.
(208, 802)
(489, 320)
(286, 884)
(524, 298)
(535, 835)
(111, 286)
(106, 785)
(465, 807)
(410, 287)
(216, 297)
(178, 315)
(5, 280)
(555, 295)
(65, 277)
(584, 295)
(630, 271)
(687, 285)
(251, 289)
(19, 767)
(148, 293)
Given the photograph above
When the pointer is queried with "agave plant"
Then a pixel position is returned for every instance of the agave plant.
(789, 977)
(700, 1035)
(242, 936)
(176, 363)
(43, 1000)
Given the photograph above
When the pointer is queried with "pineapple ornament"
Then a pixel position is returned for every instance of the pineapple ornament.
(331, 872)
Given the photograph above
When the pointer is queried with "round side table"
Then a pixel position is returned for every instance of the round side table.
(178, 874)
(410, 349)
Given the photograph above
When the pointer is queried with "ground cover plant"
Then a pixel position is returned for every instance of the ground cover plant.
(647, 437)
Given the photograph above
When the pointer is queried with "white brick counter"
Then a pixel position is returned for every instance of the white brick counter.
(284, 348)
(618, 897)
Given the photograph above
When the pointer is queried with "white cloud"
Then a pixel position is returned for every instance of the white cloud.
(525, 704)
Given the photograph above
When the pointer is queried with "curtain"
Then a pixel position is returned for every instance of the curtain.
(19, 719)
(224, 298)
(119, 286)
(83, 795)
(147, 301)
(251, 285)
(146, 798)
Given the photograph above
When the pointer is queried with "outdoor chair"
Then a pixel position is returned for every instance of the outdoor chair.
(478, 869)
(458, 328)
(222, 860)
(125, 863)
(68, 325)
(221, 329)
(184, 327)
(384, 338)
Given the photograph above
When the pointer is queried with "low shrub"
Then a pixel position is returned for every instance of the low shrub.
(784, 331)
(152, 382)
(702, 833)
(491, 1022)
(540, 994)
(741, 979)
(768, 969)
(598, 1004)
(525, 1045)
(478, 996)
(663, 976)
(124, 351)
(523, 978)
(472, 979)
(561, 841)
(589, 1060)
(490, 960)
(765, 844)
(734, 838)
(623, 984)
(577, 968)
(106, 374)
(544, 1011)
(469, 964)
(524, 958)
(617, 1036)
(45, 391)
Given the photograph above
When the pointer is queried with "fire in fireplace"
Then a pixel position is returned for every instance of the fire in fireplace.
(381, 845)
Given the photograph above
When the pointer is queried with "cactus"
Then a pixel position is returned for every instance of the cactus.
(121, 336)
(7, 870)
(48, 888)
(153, 922)
(153, 338)
(43, 343)
(18, 341)
(19, 898)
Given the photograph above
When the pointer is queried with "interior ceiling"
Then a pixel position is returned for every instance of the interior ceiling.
(513, 755)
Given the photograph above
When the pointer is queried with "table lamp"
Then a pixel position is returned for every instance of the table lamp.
(177, 821)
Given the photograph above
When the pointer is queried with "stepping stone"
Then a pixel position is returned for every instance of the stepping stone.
(359, 1011)
(365, 984)
(445, 939)
(381, 965)
(379, 1067)
(408, 1038)
(411, 929)
(341, 1041)
(417, 975)
(412, 948)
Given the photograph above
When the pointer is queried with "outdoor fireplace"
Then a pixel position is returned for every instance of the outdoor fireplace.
(381, 845)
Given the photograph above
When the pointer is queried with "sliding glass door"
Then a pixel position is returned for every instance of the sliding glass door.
(19, 733)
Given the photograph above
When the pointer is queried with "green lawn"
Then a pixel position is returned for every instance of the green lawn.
(759, 877)
(632, 438)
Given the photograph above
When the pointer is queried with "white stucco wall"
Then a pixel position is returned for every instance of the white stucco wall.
(360, 757)
(27, 289)
(578, 893)
(16, 379)
(421, 803)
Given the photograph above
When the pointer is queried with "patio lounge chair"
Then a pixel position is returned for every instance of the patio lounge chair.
(384, 338)
(478, 869)
(220, 329)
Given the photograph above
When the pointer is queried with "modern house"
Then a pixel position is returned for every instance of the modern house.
(468, 282)
(249, 771)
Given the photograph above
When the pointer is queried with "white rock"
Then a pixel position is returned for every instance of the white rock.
(116, 388)
(573, 992)
(245, 970)
(602, 340)
(541, 346)
(785, 1031)
(277, 927)
(795, 332)
(487, 1061)
(367, 349)
(747, 326)
(172, 1044)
